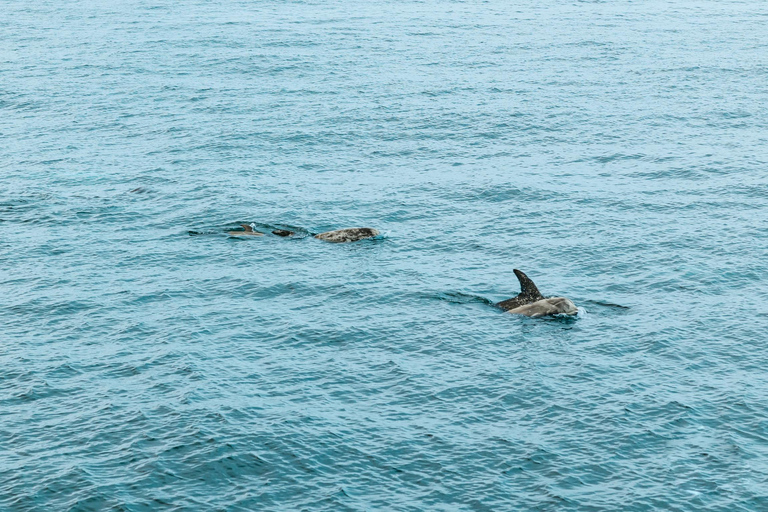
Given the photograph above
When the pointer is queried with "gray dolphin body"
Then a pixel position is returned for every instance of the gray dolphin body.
(530, 302)
(347, 235)
(338, 236)
(247, 231)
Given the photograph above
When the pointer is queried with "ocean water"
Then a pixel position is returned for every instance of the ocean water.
(617, 152)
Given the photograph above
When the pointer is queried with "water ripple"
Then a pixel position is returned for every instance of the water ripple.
(615, 152)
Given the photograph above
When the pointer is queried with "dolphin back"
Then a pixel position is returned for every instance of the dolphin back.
(347, 235)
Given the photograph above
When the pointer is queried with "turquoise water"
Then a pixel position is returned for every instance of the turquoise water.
(615, 152)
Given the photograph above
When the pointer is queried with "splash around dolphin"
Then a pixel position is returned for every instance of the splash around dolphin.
(530, 302)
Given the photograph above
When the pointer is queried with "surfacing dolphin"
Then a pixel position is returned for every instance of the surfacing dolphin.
(347, 235)
(530, 302)
(248, 231)
(338, 236)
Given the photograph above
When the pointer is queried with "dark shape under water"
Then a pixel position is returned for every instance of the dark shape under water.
(531, 302)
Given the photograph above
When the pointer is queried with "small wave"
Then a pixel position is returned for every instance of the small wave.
(463, 298)
(607, 304)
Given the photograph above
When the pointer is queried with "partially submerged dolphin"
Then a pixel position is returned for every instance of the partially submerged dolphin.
(530, 302)
(248, 231)
(337, 236)
(347, 235)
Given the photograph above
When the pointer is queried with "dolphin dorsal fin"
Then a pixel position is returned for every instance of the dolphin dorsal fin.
(527, 288)
(247, 228)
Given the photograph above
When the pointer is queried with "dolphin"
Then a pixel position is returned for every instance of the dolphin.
(248, 231)
(347, 235)
(530, 302)
(337, 236)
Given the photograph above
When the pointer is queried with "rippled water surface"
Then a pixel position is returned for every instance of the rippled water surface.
(616, 152)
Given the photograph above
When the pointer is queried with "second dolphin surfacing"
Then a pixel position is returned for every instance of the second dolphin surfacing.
(338, 236)
(347, 235)
(530, 302)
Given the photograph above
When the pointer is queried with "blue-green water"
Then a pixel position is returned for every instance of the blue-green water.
(616, 152)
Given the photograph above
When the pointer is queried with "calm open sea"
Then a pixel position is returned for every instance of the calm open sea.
(616, 152)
